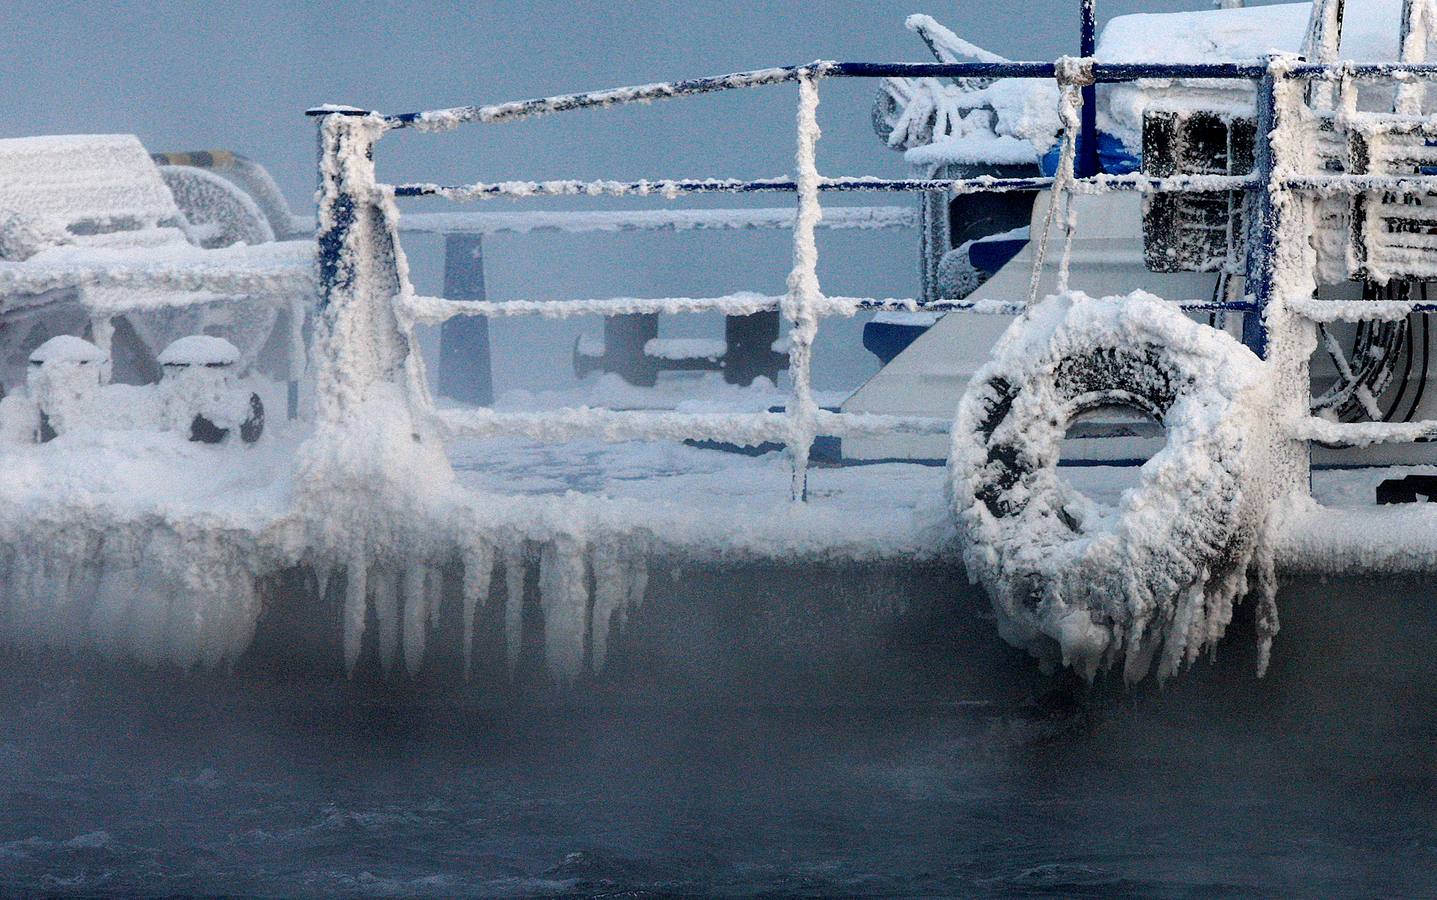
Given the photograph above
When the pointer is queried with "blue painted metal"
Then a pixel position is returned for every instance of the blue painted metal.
(337, 216)
(886, 340)
(991, 254)
(1087, 149)
(465, 369)
(1262, 223)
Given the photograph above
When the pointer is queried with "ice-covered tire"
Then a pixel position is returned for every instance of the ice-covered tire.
(1080, 583)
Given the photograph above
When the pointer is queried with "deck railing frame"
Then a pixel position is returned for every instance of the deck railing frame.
(348, 188)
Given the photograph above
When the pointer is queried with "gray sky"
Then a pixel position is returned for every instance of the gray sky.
(239, 75)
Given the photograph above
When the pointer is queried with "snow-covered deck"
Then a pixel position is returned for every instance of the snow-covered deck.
(683, 498)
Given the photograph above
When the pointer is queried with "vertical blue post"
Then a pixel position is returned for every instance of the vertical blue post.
(465, 371)
(358, 340)
(1262, 221)
(1086, 164)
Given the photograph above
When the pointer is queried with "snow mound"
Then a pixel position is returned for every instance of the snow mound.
(66, 348)
(200, 350)
(1089, 585)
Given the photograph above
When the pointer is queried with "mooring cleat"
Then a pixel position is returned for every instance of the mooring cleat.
(64, 375)
(201, 394)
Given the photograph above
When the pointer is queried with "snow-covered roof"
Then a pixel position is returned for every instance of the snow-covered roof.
(107, 180)
(1369, 33)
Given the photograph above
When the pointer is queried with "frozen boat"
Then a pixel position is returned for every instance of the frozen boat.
(1129, 257)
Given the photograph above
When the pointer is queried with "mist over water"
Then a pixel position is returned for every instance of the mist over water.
(934, 762)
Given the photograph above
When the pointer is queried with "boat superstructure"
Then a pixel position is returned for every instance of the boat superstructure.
(406, 510)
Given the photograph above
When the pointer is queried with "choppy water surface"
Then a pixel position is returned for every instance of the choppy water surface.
(1319, 781)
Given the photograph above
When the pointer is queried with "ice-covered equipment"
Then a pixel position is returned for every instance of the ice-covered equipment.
(64, 378)
(202, 393)
(95, 242)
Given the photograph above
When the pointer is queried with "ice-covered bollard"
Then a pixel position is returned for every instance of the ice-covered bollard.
(64, 378)
(201, 393)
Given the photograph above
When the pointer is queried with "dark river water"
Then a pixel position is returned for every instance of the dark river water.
(950, 770)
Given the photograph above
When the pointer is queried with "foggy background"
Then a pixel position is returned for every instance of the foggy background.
(186, 76)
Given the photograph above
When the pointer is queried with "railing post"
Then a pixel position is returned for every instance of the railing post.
(803, 289)
(465, 372)
(1088, 131)
(1263, 221)
(1281, 266)
(358, 339)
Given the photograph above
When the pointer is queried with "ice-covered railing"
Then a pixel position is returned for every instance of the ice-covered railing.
(1387, 161)
(363, 268)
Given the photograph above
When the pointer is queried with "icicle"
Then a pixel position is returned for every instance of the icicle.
(384, 588)
(1267, 624)
(564, 596)
(433, 593)
(355, 609)
(611, 595)
(478, 567)
(513, 602)
(638, 582)
(119, 586)
(1184, 614)
(415, 617)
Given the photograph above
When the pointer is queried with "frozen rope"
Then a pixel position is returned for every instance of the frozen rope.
(1072, 75)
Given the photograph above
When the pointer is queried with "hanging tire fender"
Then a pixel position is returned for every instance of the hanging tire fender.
(1078, 583)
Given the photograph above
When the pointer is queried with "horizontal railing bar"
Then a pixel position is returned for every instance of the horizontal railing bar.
(625, 220)
(670, 188)
(1362, 70)
(1107, 72)
(614, 425)
(1337, 185)
(1362, 434)
(841, 424)
(1102, 71)
(1394, 124)
(444, 119)
(1359, 310)
(434, 310)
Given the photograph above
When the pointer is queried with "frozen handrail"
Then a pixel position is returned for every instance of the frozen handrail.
(614, 426)
(679, 187)
(1103, 72)
(422, 310)
(590, 221)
